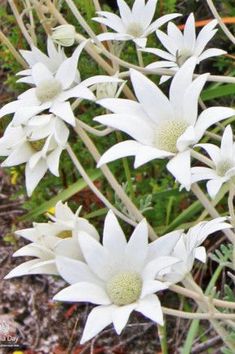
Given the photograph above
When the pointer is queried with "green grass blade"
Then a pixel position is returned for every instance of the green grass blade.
(220, 91)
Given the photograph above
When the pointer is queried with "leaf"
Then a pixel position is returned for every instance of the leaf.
(220, 91)
(63, 195)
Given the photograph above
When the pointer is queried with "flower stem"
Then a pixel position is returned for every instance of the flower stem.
(162, 332)
(139, 56)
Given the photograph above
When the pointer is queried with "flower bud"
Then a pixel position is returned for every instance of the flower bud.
(64, 35)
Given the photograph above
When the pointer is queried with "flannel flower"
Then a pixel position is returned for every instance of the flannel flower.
(60, 237)
(223, 159)
(186, 247)
(38, 144)
(51, 91)
(181, 46)
(133, 24)
(118, 276)
(162, 127)
(52, 61)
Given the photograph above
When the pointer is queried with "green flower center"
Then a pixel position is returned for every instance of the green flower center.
(168, 133)
(124, 288)
(223, 166)
(135, 29)
(48, 89)
(37, 145)
(65, 234)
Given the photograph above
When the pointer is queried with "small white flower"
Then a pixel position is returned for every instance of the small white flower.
(51, 91)
(64, 35)
(181, 46)
(162, 127)
(133, 24)
(50, 240)
(119, 277)
(39, 145)
(224, 164)
(55, 58)
(188, 248)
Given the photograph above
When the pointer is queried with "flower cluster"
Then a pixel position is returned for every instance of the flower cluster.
(118, 276)
(116, 273)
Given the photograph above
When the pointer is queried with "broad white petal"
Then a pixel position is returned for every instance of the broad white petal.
(148, 153)
(187, 139)
(125, 148)
(202, 173)
(152, 286)
(211, 116)
(160, 53)
(10, 107)
(137, 247)
(41, 73)
(85, 292)
(113, 36)
(204, 36)
(200, 254)
(213, 186)
(79, 91)
(141, 42)
(160, 22)
(164, 245)
(35, 266)
(34, 176)
(125, 11)
(167, 42)
(114, 239)
(135, 126)
(99, 318)
(151, 97)
(120, 316)
(150, 307)
(180, 83)
(152, 269)
(212, 150)
(122, 106)
(212, 52)
(112, 21)
(96, 256)
(189, 33)
(64, 111)
(74, 271)
(53, 160)
(227, 143)
(180, 167)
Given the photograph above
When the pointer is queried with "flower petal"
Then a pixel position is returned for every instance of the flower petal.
(64, 111)
(120, 316)
(34, 176)
(150, 307)
(114, 239)
(180, 167)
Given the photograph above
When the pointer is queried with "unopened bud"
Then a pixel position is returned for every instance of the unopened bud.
(64, 35)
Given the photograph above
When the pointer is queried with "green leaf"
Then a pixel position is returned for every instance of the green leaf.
(184, 216)
(220, 91)
(63, 195)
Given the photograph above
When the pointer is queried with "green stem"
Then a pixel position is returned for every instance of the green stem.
(163, 338)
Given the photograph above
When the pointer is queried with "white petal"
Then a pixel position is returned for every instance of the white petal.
(68, 69)
(10, 107)
(212, 52)
(35, 266)
(137, 247)
(180, 83)
(189, 33)
(23, 114)
(167, 42)
(200, 254)
(113, 36)
(151, 97)
(175, 33)
(191, 97)
(211, 116)
(99, 318)
(204, 36)
(141, 42)
(125, 148)
(212, 150)
(161, 21)
(41, 73)
(125, 11)
(179, 166)
(96, 256)
(227, 143)
(148, 153)
(148, 11)
(69, 247)
(202, 173)
(164, 245)
(152, 286)
(53, 160)
(18, 156)
(135, 126)
(74, 271)
(150, 307)
(187, 139)
(34, 250)
(64, 111)
(213, 187)
(122, 106)
(34, 176)
(111, 20)
(120, 316)
(160, 53)
(79, 91)
(152, 269)
(114, 239)
(85, 292)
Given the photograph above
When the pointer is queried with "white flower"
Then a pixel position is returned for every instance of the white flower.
(224, 164)
(188, 248)
(49, 240)
(181, 46)
(162, 127)
(118, 276)
(64, 35)
(55, 58)
(39, 145)
(134, 24)
(51, 91)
